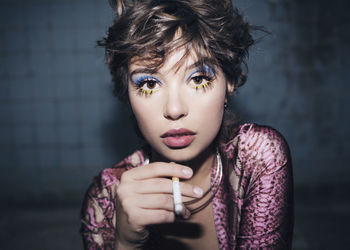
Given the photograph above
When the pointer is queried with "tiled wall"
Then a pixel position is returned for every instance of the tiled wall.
(60, 124)
(56, 101)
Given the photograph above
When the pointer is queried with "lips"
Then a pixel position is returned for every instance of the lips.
(178, 138)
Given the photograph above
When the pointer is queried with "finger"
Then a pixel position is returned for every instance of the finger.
(158, 169)
(163, 185)
(156, 201)
(186, 214)
(145, 217)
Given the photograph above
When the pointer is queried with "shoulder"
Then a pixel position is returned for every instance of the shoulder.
(259, 143)
(103, 183)
(263, 142)
(111, 176)
(99, 201)
(263, 177)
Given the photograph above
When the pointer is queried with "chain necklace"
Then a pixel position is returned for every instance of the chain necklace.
(212, 189)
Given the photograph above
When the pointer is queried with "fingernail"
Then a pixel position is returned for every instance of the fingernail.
(198, 191)
(187, 213)
(187, 171)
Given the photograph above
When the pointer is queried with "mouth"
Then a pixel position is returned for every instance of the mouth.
(178, 138)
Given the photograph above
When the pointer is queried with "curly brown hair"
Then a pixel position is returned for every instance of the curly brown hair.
(146, 30)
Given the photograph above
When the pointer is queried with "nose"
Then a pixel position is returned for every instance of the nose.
(175, 105)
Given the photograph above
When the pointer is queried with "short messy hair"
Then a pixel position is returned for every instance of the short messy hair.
(146, 29)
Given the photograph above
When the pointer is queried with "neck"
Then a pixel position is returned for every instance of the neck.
(201, 166)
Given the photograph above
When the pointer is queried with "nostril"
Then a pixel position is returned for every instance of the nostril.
(175, 112)
(174, 117)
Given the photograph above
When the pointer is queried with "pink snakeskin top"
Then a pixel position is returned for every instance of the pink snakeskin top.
(253, 207)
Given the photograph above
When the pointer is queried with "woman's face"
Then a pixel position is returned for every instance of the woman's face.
(179, 109)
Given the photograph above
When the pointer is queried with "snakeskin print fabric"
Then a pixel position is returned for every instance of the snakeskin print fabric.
(253, 207)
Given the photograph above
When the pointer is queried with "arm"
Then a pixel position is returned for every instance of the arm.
(267, 211)
(115, 214)
(98, 217)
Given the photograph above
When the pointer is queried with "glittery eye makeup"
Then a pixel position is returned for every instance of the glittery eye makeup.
(202, 78)
(146, 85)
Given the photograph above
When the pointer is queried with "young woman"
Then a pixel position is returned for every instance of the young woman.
(176, 63)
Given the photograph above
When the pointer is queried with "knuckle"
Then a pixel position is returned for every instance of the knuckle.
(126, 206)
(167, 216)
(133, 217)
(154, 182)
(160, 183)
(164, 200)
(161, 216)
(131, 220)
(124, 176)
(120, 191)
(187, 189)
(154, 168)
(161, 168)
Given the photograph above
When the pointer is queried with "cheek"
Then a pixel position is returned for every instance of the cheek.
(210, 109)
(146, 116)
(211, 115)
(207, 120)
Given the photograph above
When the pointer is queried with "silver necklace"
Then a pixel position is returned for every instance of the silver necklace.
(214, 188)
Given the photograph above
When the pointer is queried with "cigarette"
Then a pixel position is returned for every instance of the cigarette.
(177, 196)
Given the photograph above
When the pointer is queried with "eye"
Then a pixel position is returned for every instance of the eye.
(200, 81)
(147, 85)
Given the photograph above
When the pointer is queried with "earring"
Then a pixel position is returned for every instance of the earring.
(225, 105)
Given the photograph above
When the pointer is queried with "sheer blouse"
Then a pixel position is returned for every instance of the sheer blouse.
(253, 207)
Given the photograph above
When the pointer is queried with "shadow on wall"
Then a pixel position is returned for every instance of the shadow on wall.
(120, 133)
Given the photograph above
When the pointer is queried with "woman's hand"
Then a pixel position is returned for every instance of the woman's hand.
(145, 198)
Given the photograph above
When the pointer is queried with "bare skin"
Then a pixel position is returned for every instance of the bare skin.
(185, 97)
(145, 198)
(196, 232)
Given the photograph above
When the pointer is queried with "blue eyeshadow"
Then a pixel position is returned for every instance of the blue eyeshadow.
(203, 69)
(139, 80)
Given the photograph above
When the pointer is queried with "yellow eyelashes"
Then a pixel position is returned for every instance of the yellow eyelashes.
(147, 85)
(202, 78)
(146, 91)
(201, 81)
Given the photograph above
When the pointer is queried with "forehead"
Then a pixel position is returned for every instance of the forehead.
(178, 59)
(170, 61)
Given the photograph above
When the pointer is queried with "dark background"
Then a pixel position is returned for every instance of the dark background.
(60, 124)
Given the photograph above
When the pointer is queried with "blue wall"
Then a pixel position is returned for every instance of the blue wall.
(60, 124)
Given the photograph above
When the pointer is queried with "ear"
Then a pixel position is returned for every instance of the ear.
(230, 88)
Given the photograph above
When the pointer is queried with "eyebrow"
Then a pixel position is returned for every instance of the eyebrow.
(142, 70)
(206, 61)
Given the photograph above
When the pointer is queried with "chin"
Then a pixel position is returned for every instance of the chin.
(179, 155)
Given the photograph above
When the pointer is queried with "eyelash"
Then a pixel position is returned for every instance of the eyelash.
(203, 76)
(141, 82)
